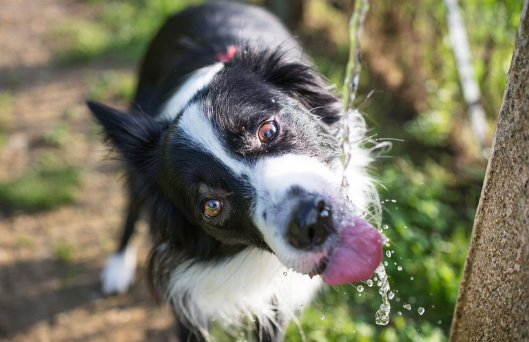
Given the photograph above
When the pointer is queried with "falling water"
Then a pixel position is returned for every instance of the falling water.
(349, 94)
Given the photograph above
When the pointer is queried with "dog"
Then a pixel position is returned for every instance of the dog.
(232, 147)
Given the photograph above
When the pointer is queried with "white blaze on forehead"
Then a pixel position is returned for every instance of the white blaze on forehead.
(276, 176)
(196, 127)
(196, 82)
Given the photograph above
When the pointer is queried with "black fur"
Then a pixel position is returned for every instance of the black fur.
(268, 78)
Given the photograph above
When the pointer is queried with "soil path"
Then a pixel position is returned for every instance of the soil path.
(41, 297)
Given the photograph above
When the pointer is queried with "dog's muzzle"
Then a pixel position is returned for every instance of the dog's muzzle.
(311, 223)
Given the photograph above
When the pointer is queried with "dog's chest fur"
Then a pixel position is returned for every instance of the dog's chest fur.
(252, 284)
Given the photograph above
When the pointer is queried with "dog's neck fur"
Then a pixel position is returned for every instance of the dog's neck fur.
(252, 284)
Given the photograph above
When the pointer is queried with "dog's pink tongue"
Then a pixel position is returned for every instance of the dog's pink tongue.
(357, 256)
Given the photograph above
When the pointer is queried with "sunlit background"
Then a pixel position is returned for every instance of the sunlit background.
(61, 203)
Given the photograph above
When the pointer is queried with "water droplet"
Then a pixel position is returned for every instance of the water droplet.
(388, 254)
(411, 278)
(382, 315)
(301, 306)
(345, 293)
(391, 294)
(369, 282)
(407, 306)
(285, 273)
(322, 317)
(398, 299)
(385, 226)
(394, 201)
(439, 322)
(273, 101)
(354, 331)
(433, 306)
(399, 268)
(400, 313)
(385, 263)
(360, 288)
(395, 263)
(420, 310)
(375, 279)
(405, 227)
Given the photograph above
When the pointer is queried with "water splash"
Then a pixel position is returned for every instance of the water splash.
(382, 315)
(350, 88)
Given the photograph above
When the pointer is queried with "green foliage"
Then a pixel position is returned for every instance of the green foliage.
(6, 116)
(64, 251)
(57, 135)
(113, 86)
(45, 186)
(120, 32)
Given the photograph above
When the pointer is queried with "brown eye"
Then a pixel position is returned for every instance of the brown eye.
(212, 208)
(268, 131)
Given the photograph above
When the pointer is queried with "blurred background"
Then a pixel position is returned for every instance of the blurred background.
(61, 198)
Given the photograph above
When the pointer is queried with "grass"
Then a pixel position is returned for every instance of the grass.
(6, 116)
(113, 85)
(120, 32)
(45, 186)
(64, 251)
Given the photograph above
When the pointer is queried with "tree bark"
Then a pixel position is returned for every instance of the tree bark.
(493, 302)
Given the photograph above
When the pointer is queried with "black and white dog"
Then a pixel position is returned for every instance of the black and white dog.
(231, 147)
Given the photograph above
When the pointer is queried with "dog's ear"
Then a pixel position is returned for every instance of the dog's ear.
(135, 136)
(306, 85)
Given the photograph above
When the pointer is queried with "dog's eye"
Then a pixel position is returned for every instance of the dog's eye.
(212, 208)
(268, 131)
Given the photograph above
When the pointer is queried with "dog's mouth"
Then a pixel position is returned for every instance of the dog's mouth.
(351, 253)
(355, 257)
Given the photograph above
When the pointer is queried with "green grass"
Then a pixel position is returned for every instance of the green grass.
(45, 186)
(120, 32)
(113, 85)
(64, 251)
(6, 116)
(57, 135)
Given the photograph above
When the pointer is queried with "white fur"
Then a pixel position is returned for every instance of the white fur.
(197, 127)
(196, 82)
(242, 286)
(119, 271)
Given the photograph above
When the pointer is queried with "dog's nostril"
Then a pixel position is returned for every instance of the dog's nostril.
(310, 225)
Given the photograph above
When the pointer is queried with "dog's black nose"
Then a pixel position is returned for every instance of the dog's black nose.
(310, 225)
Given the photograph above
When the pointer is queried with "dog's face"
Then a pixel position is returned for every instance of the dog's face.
(252, 160)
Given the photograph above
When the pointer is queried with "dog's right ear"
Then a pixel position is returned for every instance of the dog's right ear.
(135, 136)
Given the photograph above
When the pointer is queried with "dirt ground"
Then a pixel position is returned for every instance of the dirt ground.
(41, 297)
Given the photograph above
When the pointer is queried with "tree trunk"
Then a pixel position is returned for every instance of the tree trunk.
(493, 302)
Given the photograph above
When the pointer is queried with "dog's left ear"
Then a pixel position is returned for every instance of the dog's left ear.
(135, 136)
(307, 86)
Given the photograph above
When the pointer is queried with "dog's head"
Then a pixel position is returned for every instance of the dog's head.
(252, 159)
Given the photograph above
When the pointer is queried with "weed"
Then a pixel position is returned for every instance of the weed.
(45, 186)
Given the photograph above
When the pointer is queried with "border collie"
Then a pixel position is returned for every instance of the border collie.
(231, 146)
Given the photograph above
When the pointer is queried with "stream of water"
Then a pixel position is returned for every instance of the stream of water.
(350, 88)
